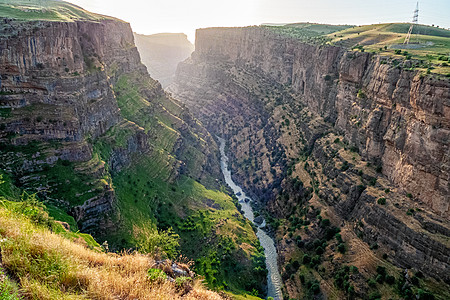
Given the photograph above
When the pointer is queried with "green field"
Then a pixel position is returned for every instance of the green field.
(45, 10)
(429, 45)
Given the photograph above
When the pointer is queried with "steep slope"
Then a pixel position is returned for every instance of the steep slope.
(320, 132)
(42, 259)
(162, 52)
(84, 125)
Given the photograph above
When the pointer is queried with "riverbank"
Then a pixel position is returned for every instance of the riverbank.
(274, 282)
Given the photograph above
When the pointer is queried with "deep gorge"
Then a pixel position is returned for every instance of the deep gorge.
(330, 179)
(322, 132)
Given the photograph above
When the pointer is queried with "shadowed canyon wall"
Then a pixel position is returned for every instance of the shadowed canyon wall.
(364, 124)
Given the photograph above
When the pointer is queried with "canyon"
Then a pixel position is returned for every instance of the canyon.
(87, 131)
(162, 52)
(321, 128)
(313, 144)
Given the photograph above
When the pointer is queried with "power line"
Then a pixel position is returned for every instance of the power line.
(415, 20)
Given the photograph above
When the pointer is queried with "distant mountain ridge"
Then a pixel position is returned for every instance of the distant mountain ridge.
(162, 52)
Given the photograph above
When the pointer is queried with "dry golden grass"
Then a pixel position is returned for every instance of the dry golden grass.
(48, 266)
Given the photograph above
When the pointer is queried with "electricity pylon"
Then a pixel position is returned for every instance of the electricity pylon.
(415, 20)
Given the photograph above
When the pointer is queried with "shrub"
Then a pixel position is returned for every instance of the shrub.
(156, 275)
(315, 288)
(379, 278)
(306, 259)
(345, 166)
(319, 250)
(424, 295)
(372, 282)
(341, 248)
(325, 223)
(361, 94)
(381, 270)
(390, 279)
(161, 243)
(374, 295)
(381, 201)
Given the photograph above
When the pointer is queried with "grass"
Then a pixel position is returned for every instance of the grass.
(428, 44)
(148, 199)
(45, 10)
(154, 195)
(307, 32)
(47, 265)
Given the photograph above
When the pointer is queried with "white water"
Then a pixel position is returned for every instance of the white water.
(273, 276)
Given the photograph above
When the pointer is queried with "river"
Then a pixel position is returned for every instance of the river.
(273, 277)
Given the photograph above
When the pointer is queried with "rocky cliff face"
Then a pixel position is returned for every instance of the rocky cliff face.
(353, 127)
(57, 94)
(403, 117)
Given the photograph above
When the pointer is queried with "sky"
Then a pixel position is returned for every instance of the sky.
(157, 16)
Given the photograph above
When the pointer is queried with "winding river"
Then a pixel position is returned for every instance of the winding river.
(273, 277)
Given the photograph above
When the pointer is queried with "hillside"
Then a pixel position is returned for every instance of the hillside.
(428, 49)
(346, 150)
(162, 52)
(50, 10)
(42, 259)
(83, 125)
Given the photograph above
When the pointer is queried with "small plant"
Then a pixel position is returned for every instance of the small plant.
(361, 94)
(341, 248)
(381, 201)
(8, 290)
(372, 282)
(156, 275)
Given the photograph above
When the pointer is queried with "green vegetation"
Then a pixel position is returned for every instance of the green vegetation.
(381, 201)
(40, 262)
(429, 46)
(165, 213)
(156, 275)
(49, 10)
(307, 32)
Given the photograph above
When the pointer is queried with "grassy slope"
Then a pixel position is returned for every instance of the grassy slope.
(47, 262)
(429, 44)
(307, 32)
(152, 195)
(45, 10)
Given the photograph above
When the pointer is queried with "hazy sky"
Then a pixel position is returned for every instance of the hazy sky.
(155, 16)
